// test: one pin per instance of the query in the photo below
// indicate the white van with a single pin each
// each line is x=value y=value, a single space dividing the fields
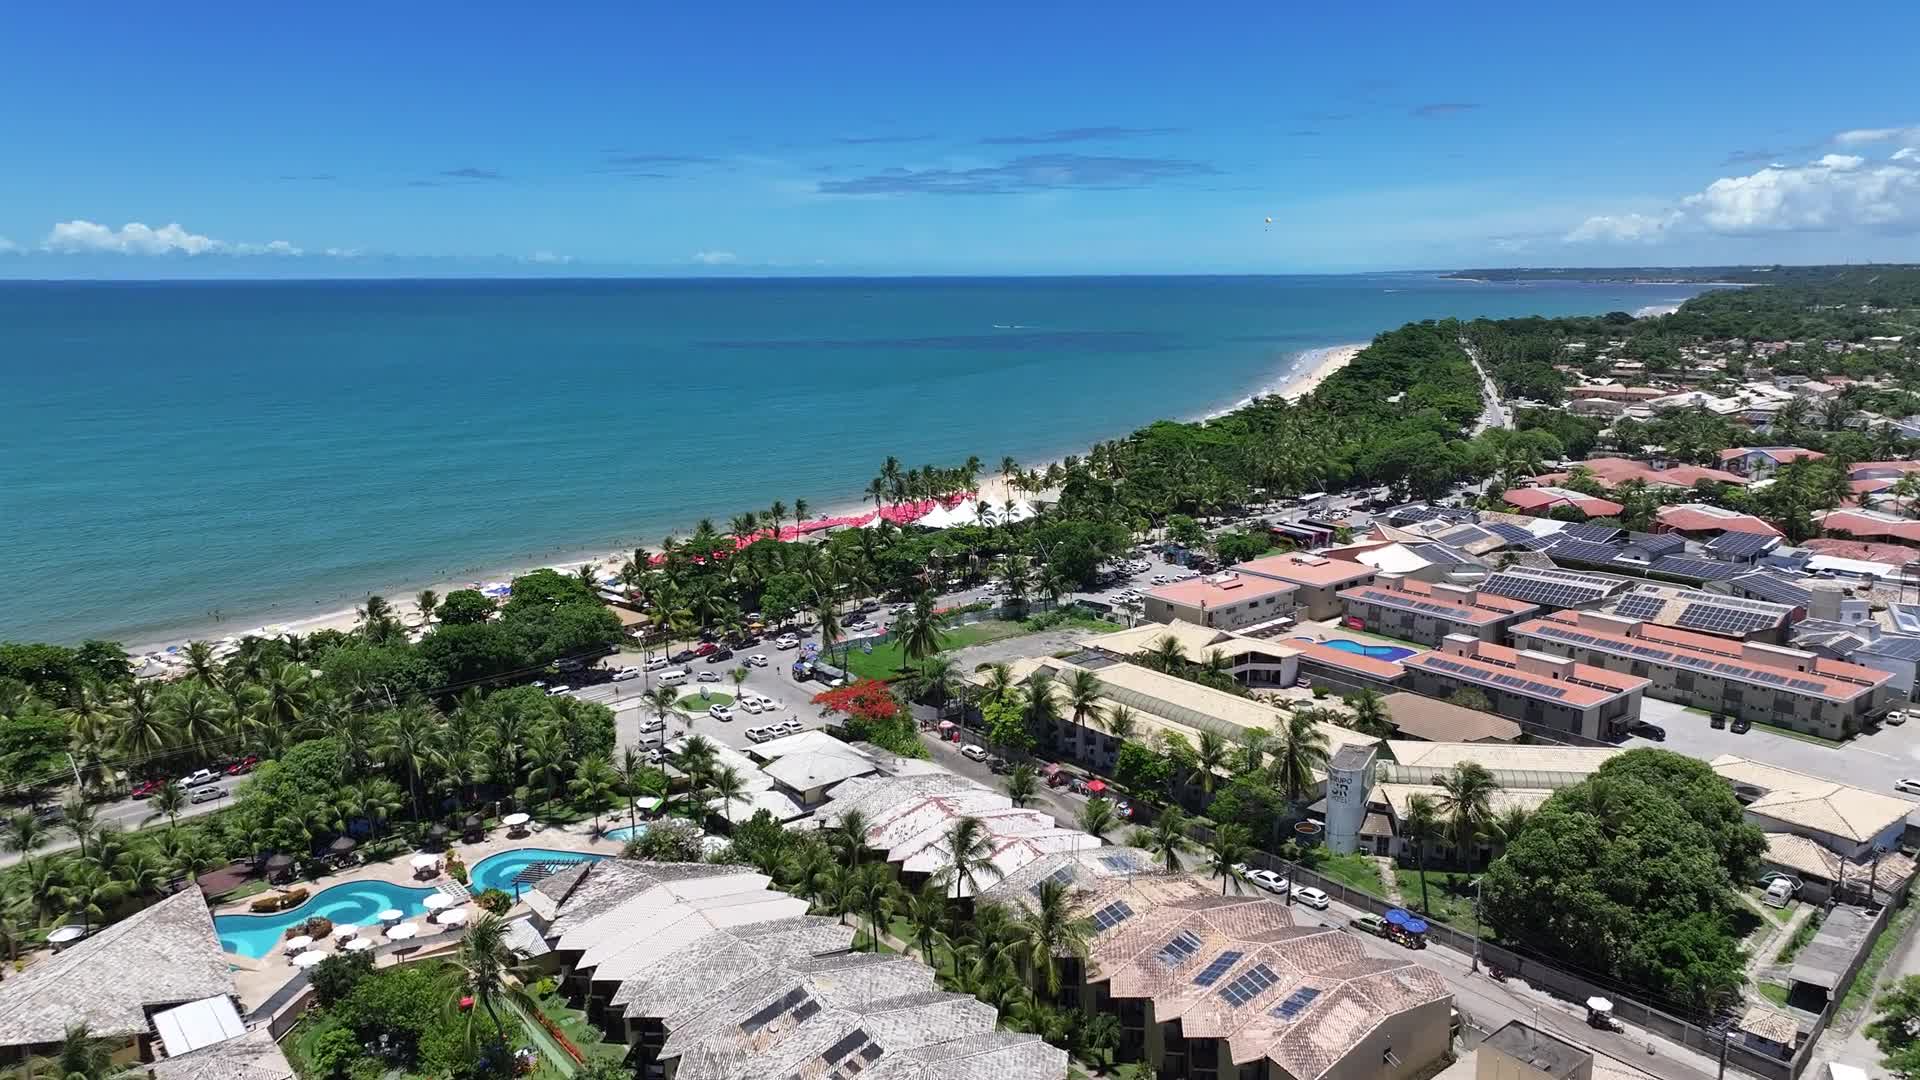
x=673 y=678
x=1779 y=893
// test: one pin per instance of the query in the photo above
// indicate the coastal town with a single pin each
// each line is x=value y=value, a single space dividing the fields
x=1517 y=698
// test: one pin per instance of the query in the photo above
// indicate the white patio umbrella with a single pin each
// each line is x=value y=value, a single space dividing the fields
x=452 y=917
x=358 y=944
x=345 y=931
x=424 y=860
x=391 y=915
x=402 y=932
x=308 y=959
x=295 y=944
x=439 y=900
x=514 y=821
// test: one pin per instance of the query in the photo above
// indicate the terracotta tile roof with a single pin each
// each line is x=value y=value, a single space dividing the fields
x=1870 y=524
x=1219 y=590
x=1841 y=810
x=1779 y=455
x=1866 y=551
x=1614 y=471
x=1698 y=517
x=1540 y=500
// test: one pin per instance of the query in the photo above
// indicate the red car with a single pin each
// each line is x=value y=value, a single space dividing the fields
x=243 y=766
x=146 y=788
x=704 y=648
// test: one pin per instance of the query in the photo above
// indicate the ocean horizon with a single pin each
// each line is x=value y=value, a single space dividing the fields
x=276 y=450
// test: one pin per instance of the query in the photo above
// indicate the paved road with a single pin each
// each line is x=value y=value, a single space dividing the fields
x=130 y=814
x=1493 y=414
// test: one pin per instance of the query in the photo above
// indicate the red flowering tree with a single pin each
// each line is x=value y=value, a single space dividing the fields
x=874 y=715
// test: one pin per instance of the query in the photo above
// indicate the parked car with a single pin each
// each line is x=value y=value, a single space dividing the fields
x=719 y=654
x=1268 y=880
x=750 y=705
x=207 y=794
x=1741 y=725
x=757 y=660
x=681 y=657
x=556 y=691
x=146 y=788
x=704 y=648
x=625 y=674
x=1718 y=721
x=786 y=641
x=788 y=727
x=709 y=676
x=651 y=725
x=658 y=662
x=1897 y=717
x=198 y=777
x=1311 y=897
x=757 y=734
x=1647 y=731
x=243 y=766
x=674 y=677
x=722 y=713
x=1369 y=924
x=1907 y=784
x=973 y=752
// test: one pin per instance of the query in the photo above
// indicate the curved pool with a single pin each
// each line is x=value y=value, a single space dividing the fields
x=503 y=870
x=1377 y=652
x=356 y=902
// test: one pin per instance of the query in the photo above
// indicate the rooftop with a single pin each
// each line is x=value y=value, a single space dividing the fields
x=1700 y=517
x=1698 y=609
x=1582 y=686
x=1304 y=569
x=1454 y=604
x=1413 y=761
x=1536 y=1048
x=1870 y=524
x=1779 y=455
x=1824 y=806
x=167 y=954
x=1219 y=590
x=253 y=1056
x=1434 y=720
x=1614 y=471
x=1541 y=499
x=1342 y=660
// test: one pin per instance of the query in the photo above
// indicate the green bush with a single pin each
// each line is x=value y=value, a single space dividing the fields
x=336 y=976
x=332 y=1051
x=494 y=900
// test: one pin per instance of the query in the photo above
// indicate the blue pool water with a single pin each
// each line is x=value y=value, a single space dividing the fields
x=499 y=871
x=355 y=902
x=1377 y=652
x=626 y=832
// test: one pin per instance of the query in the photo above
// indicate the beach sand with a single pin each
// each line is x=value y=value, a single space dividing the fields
x=1303 y=373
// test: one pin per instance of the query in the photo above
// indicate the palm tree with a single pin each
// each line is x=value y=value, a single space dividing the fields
x=595 y=785
x=286 y=693
x=727 y=785
x=662 y=700
x=1226 y=855
x=1097 y=817
x=168 y=802
x=1123 y=723
x=935 y=680
x=428 y=602
x=1421 y=827
x=969 y=856
x=81 y=1056
x=376 y=618
x=551 y=759
x=849 y=836
x=1509 y=823
x=630 y=775
x=1300 y=750
x=872 y=896
x=200 y=662
x=79 y=818
x=1083 y=702
x=1211 y=755
x=925 y=911
x=1042 y=706
x=1467 y=802
x=738 y=675
x=1166 y=654
x=1021 y=784
x=143 y=727
x=491 y=972
x=1047 y=932
x=919 y=632
x=1167 y=840
x=409 y=741
x=828 y=618
x=1370 y=714
x=25 y=833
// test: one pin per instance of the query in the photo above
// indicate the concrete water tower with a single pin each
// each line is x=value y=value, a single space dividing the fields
x=1349 y=778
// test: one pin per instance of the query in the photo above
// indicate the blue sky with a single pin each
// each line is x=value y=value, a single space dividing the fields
x=373 y=139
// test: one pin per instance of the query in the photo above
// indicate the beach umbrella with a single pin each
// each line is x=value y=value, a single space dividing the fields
x=358 y=944
x=424 y=860
x=391 y=915
x=342 y=844
x=514 y=821
x=295 y=944
x=439 y=900
x=1415 y=926
x=278 y=863
x=403 y=931
x=437 y=831
x=345 y=931
x=455 y=917
x=1398 y=917
x=308 y=959
x=474 y=821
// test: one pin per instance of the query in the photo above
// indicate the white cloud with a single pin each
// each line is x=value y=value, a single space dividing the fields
x=1911 y=153
x=7 y=245
x=715 y=258
x=1622 y=229
x=1838 y=192
x=343 y=253
x=1861 y=136
x=82 y=237
x=548 y=258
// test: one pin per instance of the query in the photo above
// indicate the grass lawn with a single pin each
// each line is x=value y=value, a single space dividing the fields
x=887 y=661
x=251 y=888
x=1775 y=994
x=695 y=701
x=584 y=1035
x=1801 y=735
x=1352 y=870
x=1451 y=895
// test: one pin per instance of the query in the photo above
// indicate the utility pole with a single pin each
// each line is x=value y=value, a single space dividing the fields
x=1476 y=933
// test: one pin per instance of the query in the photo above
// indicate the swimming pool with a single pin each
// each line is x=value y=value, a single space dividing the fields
x=1377 y=652
x=626 y=832
x=499 y=871
x=356 y=902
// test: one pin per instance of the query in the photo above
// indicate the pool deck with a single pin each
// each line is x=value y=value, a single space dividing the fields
x=259 y=979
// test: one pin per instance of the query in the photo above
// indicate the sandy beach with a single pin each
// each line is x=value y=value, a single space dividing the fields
x=1302 y=373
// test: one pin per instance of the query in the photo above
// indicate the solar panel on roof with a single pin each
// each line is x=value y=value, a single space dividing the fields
x=1063 y=875
x=1777 y=589
x=1696 y=569
x=1639 y=607
x=1716 y=618
x=1740 y=545
x=1112 y=915
x=1463 y=534
x=1180 y=949
x=1512 y=534
x=1294 y=1004
x=1217 y=967
x=1542 y=543
x=1121 y=862
x=1583 y=551
x=1251 y=984
x=1658 y=543
x=1587 y=530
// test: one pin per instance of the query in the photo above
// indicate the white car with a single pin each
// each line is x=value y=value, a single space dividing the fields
x=674 y=677
x=786 y=641
x=207 y=794
x=757 y=660
x=625 y=674
x=972 y=752
x=750 y=705
x=202 y=776
x=649 y=726
x=722 y=713
x=786 y=727
x=1907 y=784
x=556 y=691
x=757 y=734
x=1311 y=897
x=709 y=676
x=1268 y=880
x=658 y=662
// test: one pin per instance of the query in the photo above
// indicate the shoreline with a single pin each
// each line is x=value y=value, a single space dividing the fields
x=1295 y=380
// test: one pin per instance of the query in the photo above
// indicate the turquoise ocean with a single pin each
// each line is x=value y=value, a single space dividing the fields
x=275 y=450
